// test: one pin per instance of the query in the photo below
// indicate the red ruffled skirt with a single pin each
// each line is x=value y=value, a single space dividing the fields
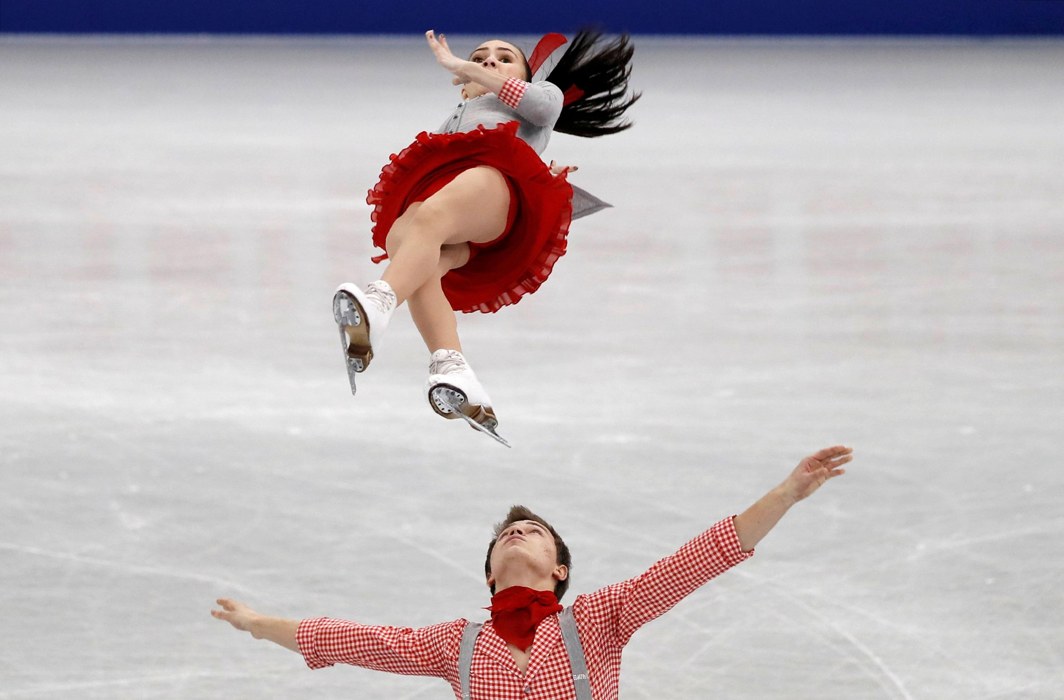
x=520 y=260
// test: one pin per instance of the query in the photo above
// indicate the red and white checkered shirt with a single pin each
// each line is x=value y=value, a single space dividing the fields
x=606 y=620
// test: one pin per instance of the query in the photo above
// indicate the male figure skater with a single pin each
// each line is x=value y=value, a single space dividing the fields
x=533 y=647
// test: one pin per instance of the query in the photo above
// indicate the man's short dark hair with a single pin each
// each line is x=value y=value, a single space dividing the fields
x=517 y=514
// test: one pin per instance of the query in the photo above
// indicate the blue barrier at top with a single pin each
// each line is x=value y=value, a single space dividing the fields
x=799 y=17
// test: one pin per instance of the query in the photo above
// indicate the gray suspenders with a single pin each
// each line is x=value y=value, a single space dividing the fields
x=465 y=655
x=576 y=654
x=572 y=647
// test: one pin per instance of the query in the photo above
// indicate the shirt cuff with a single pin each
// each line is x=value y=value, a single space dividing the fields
x=306 y=638
x=728 y=544
x=512 y=92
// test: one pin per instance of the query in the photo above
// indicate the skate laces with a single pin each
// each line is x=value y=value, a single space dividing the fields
x=382 y=296
x=448 y=362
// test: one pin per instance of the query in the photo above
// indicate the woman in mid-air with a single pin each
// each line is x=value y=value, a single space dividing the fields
x=470 y=217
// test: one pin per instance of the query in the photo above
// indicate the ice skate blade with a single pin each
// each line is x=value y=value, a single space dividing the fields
x=449 y=402
x=354 y=334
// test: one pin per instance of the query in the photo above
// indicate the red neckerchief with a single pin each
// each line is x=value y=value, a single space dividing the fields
x=517 y=611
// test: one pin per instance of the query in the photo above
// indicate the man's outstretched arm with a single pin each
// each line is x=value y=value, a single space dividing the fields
x=426 y=651
x=757 y=520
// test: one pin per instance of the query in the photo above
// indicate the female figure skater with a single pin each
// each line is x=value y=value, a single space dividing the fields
x=470 y=217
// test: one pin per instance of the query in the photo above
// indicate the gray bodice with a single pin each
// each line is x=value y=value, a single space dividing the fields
x=536 y=114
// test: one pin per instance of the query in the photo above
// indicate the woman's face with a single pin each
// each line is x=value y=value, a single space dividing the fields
x=501 y=57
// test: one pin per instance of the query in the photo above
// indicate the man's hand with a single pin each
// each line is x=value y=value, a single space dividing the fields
x=814 y=470
x=236 y=614
x=275 y=629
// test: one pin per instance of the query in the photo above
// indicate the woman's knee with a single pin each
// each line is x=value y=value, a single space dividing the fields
x=413 y=226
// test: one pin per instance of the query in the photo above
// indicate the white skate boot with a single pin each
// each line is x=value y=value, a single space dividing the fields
x=454 y=392
x=362 y=317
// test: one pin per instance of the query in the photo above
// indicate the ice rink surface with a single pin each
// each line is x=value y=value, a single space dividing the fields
x=813 y=242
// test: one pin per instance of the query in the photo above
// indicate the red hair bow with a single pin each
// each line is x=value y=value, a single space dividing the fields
x=544 y=48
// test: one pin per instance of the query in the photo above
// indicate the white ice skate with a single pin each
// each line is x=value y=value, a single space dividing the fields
x=362 y=317
x=454 y=392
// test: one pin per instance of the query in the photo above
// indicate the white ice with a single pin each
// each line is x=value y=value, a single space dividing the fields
x=814 y=242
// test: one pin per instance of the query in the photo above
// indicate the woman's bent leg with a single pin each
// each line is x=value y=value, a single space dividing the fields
x=472 y=208
x=452 y=388
x=427 y=241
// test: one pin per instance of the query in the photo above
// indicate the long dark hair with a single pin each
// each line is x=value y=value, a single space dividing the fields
x=594 y=79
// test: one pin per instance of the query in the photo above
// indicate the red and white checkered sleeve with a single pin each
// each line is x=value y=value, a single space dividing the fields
x=512 y=91
x=728 y=544
x=425 y=651
x=306 y=638
x=635 y=602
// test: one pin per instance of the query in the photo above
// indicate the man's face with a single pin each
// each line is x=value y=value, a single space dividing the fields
x=526 y=544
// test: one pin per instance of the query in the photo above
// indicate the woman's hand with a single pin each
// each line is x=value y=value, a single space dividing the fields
x=447 y=59
x=556 y=169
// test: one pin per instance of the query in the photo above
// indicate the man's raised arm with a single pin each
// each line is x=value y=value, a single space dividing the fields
x=757 y=520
